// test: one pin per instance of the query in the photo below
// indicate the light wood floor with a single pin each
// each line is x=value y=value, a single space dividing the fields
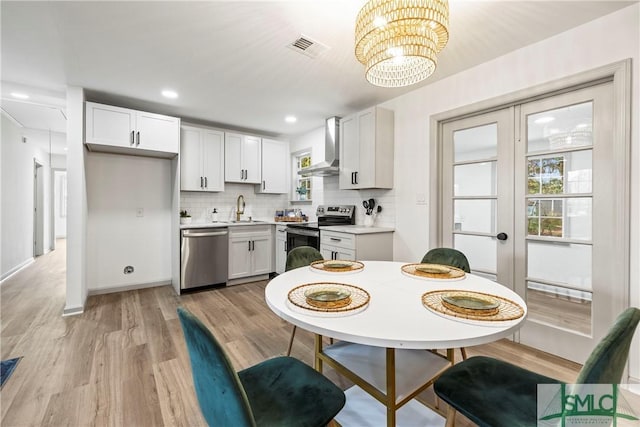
x=123 y=361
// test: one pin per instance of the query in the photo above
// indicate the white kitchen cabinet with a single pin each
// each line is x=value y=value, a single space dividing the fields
x=281 y=248
x=126 y=131
x=201 y=159
x=243 y=158
x=366 y=150
x=250 y=251
x=275 y=167
x=369 y=246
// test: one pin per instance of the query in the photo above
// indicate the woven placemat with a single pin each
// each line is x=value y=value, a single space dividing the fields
x=508 y=310
x=359 y=297
x=324 y=265
x=453 y=274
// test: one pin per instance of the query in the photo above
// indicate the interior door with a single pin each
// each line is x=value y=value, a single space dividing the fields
x=565 y=210
x=529 y=195
x=477 y=192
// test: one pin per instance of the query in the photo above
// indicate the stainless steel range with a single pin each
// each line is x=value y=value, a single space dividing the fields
x=309 y=234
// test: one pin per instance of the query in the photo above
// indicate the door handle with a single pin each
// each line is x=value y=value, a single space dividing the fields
x=502 y=236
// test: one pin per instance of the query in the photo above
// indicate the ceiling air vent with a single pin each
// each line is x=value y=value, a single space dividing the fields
x=307 y=46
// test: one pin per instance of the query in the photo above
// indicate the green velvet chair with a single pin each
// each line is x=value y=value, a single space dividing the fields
x=280 y=392
x=493 y=393
x=300 y=257
x=447 y=256
x=452 y=257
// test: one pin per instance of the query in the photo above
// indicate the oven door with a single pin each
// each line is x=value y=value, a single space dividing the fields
x=301 y=237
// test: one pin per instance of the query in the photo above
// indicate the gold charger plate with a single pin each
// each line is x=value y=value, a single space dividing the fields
x=358 y=298
x=505 y=310
x=337 y=265
x=433 y=271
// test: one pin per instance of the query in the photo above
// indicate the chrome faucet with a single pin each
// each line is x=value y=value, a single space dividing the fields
x=239 y=210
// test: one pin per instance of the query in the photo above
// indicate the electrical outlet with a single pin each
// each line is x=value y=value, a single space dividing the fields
x=140 y=212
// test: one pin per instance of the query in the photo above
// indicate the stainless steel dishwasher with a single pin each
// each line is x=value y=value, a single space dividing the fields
x=204 y=256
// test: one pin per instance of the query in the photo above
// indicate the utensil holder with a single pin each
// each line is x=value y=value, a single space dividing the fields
x=368 y=220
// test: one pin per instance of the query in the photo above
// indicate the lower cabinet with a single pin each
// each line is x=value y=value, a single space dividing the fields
x=250 y=250
x=369 y=246
x=281 y=248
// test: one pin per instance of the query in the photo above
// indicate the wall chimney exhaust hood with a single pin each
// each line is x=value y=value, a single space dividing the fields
x=331 y=163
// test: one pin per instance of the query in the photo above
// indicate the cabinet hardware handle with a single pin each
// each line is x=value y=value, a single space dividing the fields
x=335 y=239
x=246 y=175
x=201 y=182
x=138 y=138
x=352 y=178
x=263 y=185
x=253 y=245
x=285 y=246
x=355 y=177
x=133 y=137
x=206 y=184
x=249 y=245
x=241 y=173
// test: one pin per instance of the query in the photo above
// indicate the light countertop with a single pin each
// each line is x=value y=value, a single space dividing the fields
x=357 y=229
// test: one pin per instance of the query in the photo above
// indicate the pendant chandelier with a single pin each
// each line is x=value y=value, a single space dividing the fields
x=397 y=40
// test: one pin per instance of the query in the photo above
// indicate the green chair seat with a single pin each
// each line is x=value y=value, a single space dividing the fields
x=277 y=392
x=285 y=392
x=494 y=393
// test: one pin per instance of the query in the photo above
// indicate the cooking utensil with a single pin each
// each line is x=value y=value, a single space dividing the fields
x=379 y=209
x=372 y=204
x=366 y=206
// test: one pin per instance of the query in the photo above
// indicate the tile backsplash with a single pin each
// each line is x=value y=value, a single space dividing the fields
x=263 y=206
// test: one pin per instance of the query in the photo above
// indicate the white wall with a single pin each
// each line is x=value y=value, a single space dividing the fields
x=601 y=42
x=59 y=203
x=17 y=198
x=117 y=185
x=76 y=204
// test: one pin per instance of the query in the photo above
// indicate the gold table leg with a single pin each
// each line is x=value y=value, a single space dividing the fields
x=391 y=387
x=318 y=351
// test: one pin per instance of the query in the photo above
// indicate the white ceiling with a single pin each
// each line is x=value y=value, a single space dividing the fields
x=229 y=60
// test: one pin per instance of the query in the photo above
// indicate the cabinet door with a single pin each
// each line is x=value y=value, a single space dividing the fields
x=349 y=152
x=366 y=171
x=252 y=159
x=275 y=161
x=233 y=171
x=213 y=160
x=239 y=257
x=190 y=160
x=157 y=132
x=108 y=125
x=334 y=252
x=261 y=254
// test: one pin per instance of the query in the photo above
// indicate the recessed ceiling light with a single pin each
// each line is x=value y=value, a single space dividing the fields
x=19 y=95
x=66 y=148
x=582 y=126
x=543 y=120
x=169 y=94
x=291 y=119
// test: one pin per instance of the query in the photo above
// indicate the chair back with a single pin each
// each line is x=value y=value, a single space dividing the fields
x=221 y=396
x=301 y=256
x=608 y=360
x=447 y=256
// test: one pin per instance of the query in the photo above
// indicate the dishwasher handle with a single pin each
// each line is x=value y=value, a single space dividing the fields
x=207 y=234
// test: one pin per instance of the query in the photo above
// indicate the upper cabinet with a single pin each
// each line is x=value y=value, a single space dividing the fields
x=243 y=158
x=366 y=150
x=201 y=159
x=275 y=162
x=122 y=130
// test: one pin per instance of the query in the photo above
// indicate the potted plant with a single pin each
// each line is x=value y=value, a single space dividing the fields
x=185 y=218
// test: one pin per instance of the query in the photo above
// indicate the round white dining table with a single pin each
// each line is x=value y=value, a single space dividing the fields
x=395 y=316
x=381 y=345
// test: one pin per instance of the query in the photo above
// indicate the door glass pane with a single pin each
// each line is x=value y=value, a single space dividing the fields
x=566 y=173
x=564 y=127
x=475 y=215
x=558 y=306
x=476 y=143
x=568 y=218
x=560 y=263
x=479 y=250
x=477 y=179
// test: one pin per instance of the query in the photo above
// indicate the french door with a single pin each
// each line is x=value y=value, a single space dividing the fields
x=529 y=195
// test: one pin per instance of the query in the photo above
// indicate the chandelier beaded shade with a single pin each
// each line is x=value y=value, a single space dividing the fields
x=397 y=40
